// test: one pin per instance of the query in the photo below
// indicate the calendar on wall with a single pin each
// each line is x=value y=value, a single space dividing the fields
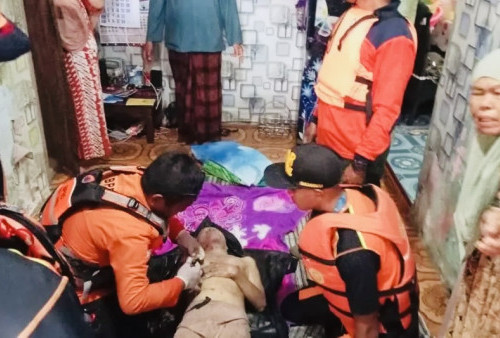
x=124 y=22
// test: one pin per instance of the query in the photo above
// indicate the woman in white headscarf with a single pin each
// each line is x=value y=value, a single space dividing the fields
x=482 y=175
x=474 y=308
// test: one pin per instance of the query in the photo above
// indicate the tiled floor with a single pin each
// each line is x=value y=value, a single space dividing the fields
x=407 y=153
x=433 y=295
x=406 y=156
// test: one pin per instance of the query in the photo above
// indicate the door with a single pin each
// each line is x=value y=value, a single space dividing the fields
x=58 y=113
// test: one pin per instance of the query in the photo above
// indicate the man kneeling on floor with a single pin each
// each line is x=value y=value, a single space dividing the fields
x=115 y=220
x=355 y=250
x=219 y=309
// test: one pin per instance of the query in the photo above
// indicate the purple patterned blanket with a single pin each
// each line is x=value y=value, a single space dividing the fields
x=259 y=217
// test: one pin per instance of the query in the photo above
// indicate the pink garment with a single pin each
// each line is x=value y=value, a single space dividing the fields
x=82 y=70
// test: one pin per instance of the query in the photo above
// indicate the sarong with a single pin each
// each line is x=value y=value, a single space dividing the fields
x=82 y=70
x=198 y=95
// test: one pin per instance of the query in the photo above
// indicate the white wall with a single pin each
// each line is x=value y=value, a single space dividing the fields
x=268 y=78
x=22 y=144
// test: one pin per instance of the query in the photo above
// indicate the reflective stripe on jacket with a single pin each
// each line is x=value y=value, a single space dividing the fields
x=343 y=80
x=382 y=232
x=104 y=235
x=342 y=76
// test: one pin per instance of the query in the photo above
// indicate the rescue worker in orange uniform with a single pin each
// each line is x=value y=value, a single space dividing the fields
x=95 y=237
x=367 y=64
x=355 y=250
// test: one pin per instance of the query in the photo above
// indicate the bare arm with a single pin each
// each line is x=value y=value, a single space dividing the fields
x=366 y=326
x=250 y=284
x=245 y=274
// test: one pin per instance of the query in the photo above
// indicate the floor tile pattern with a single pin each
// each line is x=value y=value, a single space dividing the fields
x=406 y=156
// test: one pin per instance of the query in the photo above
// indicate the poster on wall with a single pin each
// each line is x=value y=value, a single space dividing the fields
x=121 y=13
x=124 y=22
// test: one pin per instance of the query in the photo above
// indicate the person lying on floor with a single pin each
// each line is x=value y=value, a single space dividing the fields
x=219 y=309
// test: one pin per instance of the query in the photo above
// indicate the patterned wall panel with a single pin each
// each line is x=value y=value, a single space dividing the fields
x=22 y=150
x=476 y=31
x=267 y=79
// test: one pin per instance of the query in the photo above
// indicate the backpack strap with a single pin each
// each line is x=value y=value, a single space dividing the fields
x=41 y=236
x=85 y=190
x=134 y=207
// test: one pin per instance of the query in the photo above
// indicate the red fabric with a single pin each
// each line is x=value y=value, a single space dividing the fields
x=82 y=70
x=7 y=28
x=175 y=226
x=350 y=136
x=198 y=95
x=91 y=9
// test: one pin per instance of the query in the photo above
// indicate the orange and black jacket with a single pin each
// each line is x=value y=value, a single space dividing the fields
x=361 y=84
x=381 y=231
x=103 y=235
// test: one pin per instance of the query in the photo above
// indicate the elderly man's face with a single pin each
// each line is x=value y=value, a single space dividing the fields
x=485 y=106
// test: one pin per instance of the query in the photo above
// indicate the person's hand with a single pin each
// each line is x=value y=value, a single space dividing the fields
x=310 y=132
x=147 y=52
x=190 y=274
x=221 y=269
x=188 y=242
x=351 y=176
x=489 y=224
x=237 y=50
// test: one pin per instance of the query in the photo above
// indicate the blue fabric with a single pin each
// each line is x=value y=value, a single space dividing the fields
x=246 y=163
x=194 y=25
x=13 y=45
x=386 y=30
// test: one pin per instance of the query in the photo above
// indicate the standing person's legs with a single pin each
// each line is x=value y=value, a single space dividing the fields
x=179 y=63
x=207 y=91
x=82 y=71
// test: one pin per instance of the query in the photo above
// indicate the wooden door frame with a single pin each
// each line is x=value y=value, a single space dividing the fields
x=56 y=103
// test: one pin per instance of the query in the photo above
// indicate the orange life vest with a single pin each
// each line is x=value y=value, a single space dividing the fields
x=90 y=189
x=343 y=81
x=25 y=235
x=382 y=232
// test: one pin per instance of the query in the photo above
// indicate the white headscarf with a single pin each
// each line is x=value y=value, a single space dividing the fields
x=489 y=66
